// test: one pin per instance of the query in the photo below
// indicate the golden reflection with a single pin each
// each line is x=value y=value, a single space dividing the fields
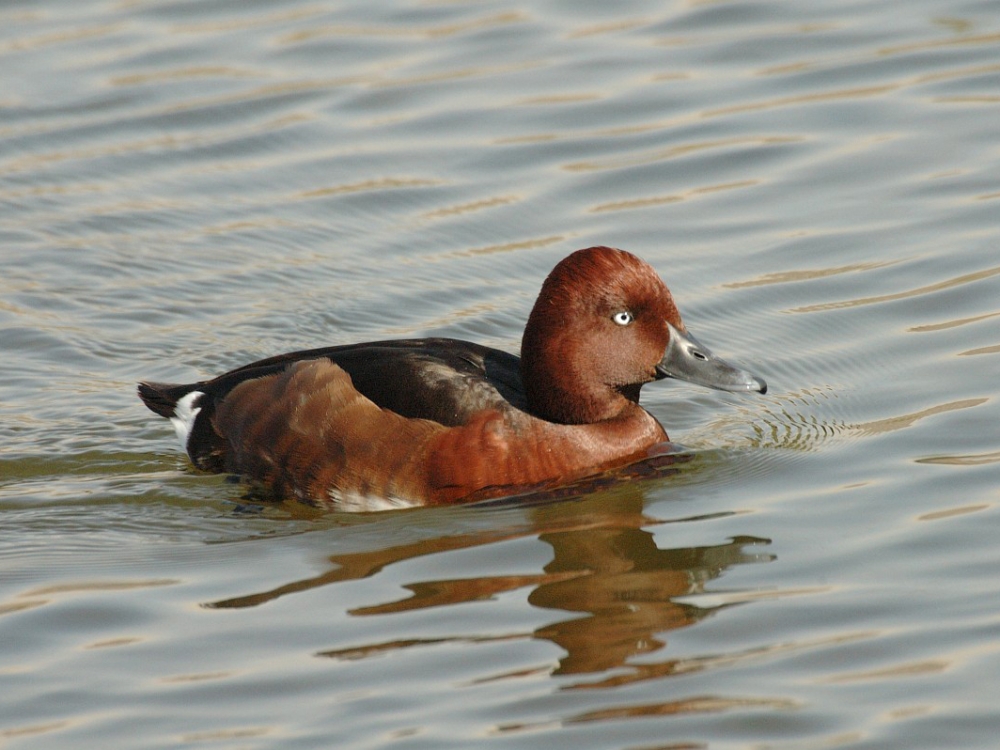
x=383 y=183
x=621 y=591
x=675 y=198
x=967 y=278
x=464 y=208
x=456 y=74
x=674 y=152
x=181 y=74
x=934 y=44
x=46 y=158
x=983 y=99
x=33 y=729
x=427 y=32
x=76 y=588
x=705 y=704
x=44 y=595
x=166 y=142
x=114 y=643
x=781 y=102
x=246 y=22
x=518 y=140
x=506 y=247
x=609 y=27
x=788 y=277
x=698 y=705
x=890 y=424
x=556 y=99
x=995 y=349
x=952 y=512
x=956 y=25
x=226 y=734
x=198 y=677
x=657 y=670
x=913 y=669
x=55 y=38
x=971 y=459
x=787 y=68
x=80 y=188
x=951 y=323
x=246 y=225
x=374 y=649
x=12 y=607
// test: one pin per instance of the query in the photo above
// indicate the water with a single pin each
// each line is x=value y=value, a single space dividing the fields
x=188 y=186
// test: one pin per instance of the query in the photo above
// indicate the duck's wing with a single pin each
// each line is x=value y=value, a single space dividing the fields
x=442 y=380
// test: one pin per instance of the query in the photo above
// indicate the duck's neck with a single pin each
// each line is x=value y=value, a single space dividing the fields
x=559 y=391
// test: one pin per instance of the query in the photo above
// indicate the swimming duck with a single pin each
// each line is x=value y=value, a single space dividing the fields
x=436 y=421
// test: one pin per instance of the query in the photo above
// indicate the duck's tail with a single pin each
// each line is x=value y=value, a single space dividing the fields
x=189 y=410
x=162 y=398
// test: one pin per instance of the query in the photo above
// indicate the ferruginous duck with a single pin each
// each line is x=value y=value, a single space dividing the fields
x=437 y=421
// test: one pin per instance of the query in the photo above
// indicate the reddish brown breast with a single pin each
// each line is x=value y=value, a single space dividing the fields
x=494 y=456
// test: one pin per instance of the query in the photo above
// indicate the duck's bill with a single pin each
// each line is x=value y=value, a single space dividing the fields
x=687 y=359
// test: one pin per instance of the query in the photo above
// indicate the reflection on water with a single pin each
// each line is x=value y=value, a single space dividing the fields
x=939 y=286
x=967 y=460
x=605 y=565
x=626 y=586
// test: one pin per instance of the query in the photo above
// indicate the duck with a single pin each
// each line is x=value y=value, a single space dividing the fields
x=437 y=421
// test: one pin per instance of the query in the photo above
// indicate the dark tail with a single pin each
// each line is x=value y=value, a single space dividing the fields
x=205 y=446
x=162 y=397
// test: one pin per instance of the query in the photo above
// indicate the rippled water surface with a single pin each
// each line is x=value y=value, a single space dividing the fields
x=186 y=186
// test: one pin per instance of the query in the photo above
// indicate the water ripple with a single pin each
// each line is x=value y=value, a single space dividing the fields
x=957 y=281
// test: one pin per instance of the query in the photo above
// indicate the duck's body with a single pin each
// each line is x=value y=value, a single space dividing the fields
x=434 y=421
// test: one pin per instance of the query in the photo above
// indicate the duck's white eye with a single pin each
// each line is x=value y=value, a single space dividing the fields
x=622 y=318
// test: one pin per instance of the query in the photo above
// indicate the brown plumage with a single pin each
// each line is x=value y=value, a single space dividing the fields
x=438 y=420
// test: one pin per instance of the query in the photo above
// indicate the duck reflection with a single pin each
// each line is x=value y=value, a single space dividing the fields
x=605 y=564
x=627 y=590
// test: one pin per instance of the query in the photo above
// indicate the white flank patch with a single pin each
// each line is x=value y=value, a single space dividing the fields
x=184 y=416
x=357 y=503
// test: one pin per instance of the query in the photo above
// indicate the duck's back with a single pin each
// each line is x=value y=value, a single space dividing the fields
x=445 y=380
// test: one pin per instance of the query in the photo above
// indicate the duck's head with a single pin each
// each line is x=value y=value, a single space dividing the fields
x=605 y=324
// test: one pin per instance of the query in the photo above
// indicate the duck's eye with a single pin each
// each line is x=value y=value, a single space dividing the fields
x=622 y=318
